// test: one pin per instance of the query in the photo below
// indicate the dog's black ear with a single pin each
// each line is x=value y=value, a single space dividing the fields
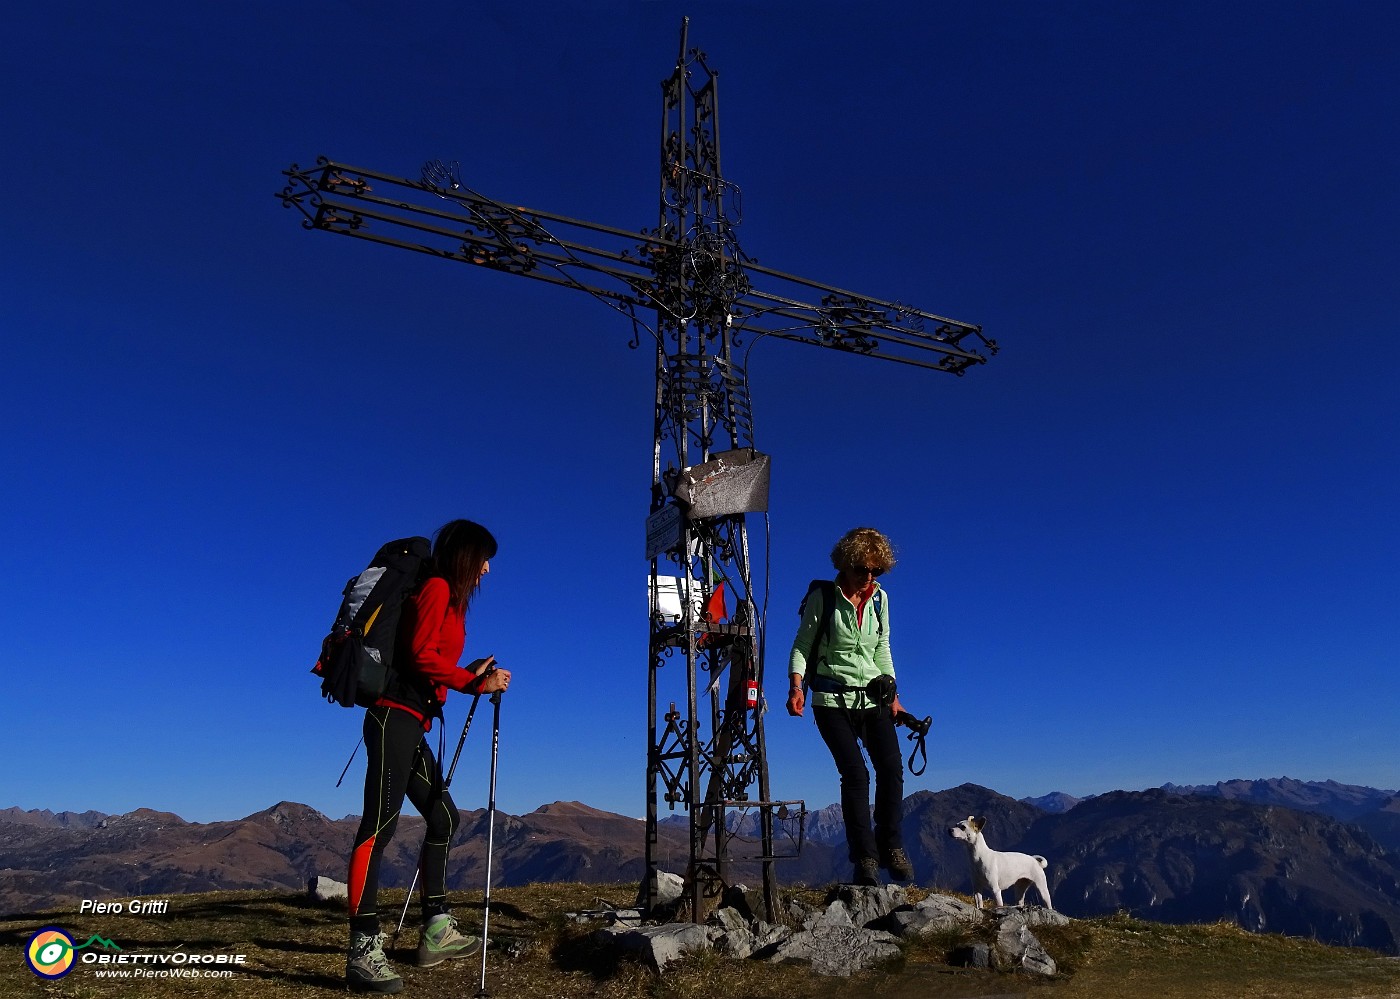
x=979 y=822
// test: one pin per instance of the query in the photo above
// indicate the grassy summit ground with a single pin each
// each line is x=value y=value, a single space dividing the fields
x=296 y=949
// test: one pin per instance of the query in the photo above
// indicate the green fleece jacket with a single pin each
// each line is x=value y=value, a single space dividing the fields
x=854 y=654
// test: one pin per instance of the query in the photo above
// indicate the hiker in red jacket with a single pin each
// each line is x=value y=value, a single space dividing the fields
x=431 y=635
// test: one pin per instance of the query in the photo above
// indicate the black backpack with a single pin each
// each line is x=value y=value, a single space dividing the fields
x=357 y=657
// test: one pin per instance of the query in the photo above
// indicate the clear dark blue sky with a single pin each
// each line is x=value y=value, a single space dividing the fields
x=1155 y=539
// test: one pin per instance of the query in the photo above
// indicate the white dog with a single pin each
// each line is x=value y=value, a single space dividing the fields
x=995 y=872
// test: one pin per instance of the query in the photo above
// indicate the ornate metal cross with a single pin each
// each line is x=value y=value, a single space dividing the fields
x=709 y=300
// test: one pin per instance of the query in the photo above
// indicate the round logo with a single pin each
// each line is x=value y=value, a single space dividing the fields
x=50 y=953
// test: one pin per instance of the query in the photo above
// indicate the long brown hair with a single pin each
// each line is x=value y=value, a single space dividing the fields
x=460 y=550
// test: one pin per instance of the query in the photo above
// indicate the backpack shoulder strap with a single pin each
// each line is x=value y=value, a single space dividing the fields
x=825 y=591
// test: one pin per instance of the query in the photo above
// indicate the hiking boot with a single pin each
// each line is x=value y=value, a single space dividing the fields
x=442 y=940
x=867 y=873
x=366 y=968
x=896 y=861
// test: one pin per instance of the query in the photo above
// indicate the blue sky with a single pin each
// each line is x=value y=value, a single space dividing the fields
x=1153 y=540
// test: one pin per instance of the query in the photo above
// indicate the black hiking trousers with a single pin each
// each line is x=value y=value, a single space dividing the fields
x=400 y=765
x=844 y=730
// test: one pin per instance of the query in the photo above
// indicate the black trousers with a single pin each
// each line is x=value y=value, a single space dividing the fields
x=844 y=731
x=400 y=765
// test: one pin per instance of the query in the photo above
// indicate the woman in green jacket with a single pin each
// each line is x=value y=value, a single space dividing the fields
x=838 y=667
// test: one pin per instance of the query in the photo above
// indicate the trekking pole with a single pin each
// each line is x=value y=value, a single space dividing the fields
x=446 y=783
x=462 y=741
x=351 y=760
x=490 y=838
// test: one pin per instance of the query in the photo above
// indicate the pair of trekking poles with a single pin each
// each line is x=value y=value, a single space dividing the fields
x=490 y=826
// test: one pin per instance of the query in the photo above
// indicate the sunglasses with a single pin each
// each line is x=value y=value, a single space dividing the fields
x=863 y=570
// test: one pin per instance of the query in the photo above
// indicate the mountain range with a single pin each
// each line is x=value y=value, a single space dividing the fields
x=1318 y=859
x=1344 y=802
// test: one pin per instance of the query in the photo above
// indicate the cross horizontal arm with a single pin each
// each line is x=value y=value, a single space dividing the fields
x=334 y=197
x=631 y=269
x=871 y=327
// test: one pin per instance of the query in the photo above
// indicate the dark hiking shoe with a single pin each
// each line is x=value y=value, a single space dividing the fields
x=896 y=861
x=366 y=968
x=867 y=873
x=442 y=940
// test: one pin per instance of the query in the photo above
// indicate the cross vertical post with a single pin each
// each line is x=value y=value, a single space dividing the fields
x=711 y=756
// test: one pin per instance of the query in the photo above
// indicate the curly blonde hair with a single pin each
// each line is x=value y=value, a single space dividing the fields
x=863 y=546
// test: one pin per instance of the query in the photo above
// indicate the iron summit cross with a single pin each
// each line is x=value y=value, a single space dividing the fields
x=709 y=755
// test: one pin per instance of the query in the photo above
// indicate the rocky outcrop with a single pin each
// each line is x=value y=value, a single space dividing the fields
x=324 y=889
x=1016 y=947
x=935 y=914
x=856 y=929
x=658 y=946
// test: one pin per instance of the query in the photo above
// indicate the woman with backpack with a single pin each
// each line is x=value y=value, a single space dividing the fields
x=842 y=645
x=431 y=635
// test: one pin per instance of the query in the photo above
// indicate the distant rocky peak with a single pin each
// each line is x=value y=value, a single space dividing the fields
x=1055 y=803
